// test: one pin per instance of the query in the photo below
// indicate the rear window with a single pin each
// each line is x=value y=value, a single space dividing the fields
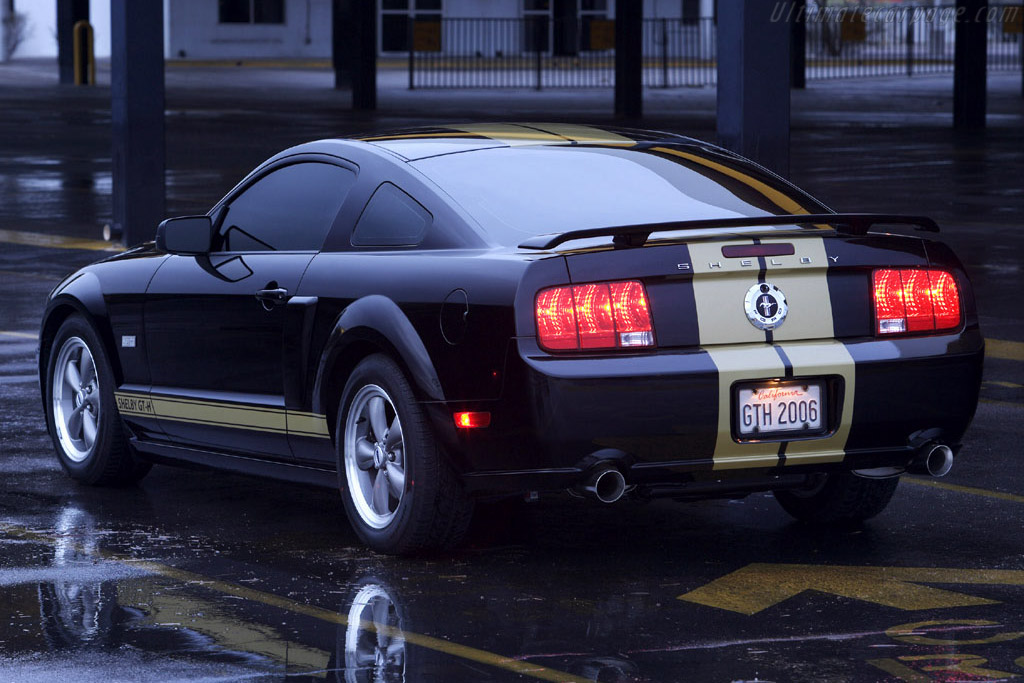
x=533 y=190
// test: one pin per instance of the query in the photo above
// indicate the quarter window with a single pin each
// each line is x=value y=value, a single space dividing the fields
x=391 y=219
x=289 y=209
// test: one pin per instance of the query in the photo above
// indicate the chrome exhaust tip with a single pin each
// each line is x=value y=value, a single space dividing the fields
x=939 y=460
x=606 y=485
x=933 y=459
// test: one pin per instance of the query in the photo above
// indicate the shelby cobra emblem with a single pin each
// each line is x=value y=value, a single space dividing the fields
x=766 y=306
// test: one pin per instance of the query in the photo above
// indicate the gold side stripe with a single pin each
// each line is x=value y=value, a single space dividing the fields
x=223 y=414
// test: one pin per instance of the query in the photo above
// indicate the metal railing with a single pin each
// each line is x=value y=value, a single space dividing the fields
x=841 y=42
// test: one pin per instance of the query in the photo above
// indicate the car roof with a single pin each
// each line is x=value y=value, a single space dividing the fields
x=422 y=143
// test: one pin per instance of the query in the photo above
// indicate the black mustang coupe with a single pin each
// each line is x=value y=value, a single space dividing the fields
x=435 y=317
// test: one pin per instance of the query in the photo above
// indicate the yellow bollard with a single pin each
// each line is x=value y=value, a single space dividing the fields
x=85 y=57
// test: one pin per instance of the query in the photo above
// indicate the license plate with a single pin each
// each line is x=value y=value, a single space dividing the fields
x=772 y=408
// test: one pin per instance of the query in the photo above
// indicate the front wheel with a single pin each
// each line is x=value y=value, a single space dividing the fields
x=81 y=416
x=399 y=492
x=838 y=498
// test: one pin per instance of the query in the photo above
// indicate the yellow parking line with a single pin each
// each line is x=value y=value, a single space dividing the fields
x=19 y=335
x=437 y=644
x=970 y=490
x=1005 y=350
x=993 y=402
x=1005 y=385
x=38 y=239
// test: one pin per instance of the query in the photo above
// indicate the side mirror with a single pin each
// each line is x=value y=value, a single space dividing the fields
x=188 y=235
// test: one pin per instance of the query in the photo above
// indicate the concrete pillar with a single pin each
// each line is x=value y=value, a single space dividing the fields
x=340 y=54
x=753 y=81
x=68 y=13
x=137 y=112
x=798 y=45
x=354 y=48
x=970 y=65
x=629 y=26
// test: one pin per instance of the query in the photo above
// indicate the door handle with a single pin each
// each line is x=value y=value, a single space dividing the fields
x=272 y=297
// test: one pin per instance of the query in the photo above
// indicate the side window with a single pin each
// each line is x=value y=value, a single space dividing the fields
x=290 y=209
x=391 y=219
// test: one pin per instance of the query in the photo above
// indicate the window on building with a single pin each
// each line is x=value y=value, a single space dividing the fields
x=250 y=11
x=394 y=22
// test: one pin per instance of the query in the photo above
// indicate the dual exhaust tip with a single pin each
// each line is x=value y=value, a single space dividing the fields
x=934 y=459
x=606 y=484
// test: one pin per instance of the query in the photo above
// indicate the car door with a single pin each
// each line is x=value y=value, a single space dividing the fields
x=217 y=324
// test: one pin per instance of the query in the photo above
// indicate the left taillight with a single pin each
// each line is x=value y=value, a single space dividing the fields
x=596 y=315
x=909 y=300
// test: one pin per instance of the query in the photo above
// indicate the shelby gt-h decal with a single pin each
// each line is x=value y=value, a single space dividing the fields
x=429 y=317
x=223 y=414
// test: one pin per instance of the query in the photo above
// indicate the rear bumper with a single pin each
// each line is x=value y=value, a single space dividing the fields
x=665 y=417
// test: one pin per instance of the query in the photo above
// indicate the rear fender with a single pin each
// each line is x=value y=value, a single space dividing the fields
x=377 y=321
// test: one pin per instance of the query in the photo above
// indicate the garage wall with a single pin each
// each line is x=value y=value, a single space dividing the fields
x=194 y=33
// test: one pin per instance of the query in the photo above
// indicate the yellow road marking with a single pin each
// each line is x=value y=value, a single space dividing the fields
x=19 y=335
x=38 y=239
x=1000 y=383
x=437 y=644
x=991 y=401
x=965 y=489
x=1004 y=350
x=757 y=587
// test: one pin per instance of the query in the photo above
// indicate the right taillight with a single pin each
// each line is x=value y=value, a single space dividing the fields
x=597 y=315
x=915 y=300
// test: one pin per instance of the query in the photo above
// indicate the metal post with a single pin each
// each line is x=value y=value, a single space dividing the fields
x=539 y=29
x=910 y=41
x=69 y=13
x=629 y=45
x=411 y=31
x=341 y=55
x=137 y=113
x=363 y=39
x=970 y=65
x=664 y=52
x=753 y=81
x=798 y=45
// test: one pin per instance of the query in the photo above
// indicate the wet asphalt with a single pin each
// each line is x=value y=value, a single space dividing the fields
x=208 y=576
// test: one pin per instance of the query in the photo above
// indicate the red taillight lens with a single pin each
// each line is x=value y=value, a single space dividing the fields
x=599 y=315
x=915 y=300
x=556 y=319
x=945 y=299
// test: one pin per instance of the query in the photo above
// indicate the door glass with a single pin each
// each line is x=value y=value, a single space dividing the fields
x=289 y=209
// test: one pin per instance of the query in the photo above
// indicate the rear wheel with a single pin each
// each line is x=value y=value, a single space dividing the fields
x=80 y=411
x=840 y=497
x=399 y=492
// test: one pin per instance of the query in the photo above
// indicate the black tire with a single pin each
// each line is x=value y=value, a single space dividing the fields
x=841 y=498
x=424 y=507
x=108 y=460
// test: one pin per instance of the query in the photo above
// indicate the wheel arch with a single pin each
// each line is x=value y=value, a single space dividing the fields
x=372 y=324
x=81 y=296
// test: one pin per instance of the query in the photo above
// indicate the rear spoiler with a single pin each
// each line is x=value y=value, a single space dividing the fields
x=637 y=235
